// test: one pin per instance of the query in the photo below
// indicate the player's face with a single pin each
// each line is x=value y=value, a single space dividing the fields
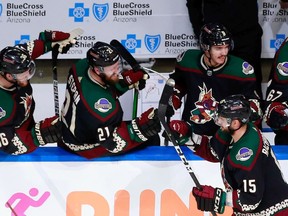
x=22 y=78
x=224 y=123
x=218 y=54
x=26 y=75
x=111 y=73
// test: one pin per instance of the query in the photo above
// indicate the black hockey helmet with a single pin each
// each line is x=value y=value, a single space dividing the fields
x=15 y=60
x=214 y=34
x=102 y=54
x=234 y=107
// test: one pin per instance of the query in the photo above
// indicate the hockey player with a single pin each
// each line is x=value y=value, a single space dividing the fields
x=206 y=77
x=276 y=114
x=91 y=113
x=250 y=172
x=19 y=133
x=245 y=27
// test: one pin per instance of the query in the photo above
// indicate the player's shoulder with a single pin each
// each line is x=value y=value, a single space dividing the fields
x=236 y=66
x=245 y=152
x=81 y=67
x=6 y=106
x=189 y=56
x=281 y=62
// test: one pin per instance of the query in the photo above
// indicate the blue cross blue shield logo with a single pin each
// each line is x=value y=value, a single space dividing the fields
x=152 y=42
x=0 y=9
x=100 y=11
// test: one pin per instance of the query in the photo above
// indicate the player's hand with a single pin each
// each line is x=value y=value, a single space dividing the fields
x=58 y=38
x=134 y=79
x=53 y=36
x=276 y=116
x=147 y=125
x=210 y=199
x=48 y=130
x=174 y=103
x=181 y=131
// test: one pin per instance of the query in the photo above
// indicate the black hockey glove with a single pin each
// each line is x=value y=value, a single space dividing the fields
x=210 y=199
x=276 y=116
x=147 y=125
x=48 y=130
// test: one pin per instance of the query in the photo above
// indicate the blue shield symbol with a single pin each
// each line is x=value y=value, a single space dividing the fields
x=100 y=11
x=152 y=42
x=0 y=9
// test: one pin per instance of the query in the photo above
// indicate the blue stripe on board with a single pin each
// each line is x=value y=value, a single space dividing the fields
x=150 y=153
x=266 y=130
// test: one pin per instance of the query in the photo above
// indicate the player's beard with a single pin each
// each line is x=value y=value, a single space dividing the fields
x=228 y=130
x=111 y=80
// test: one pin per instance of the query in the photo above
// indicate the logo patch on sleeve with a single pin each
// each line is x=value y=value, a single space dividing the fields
x=244 y=154
x=2 y=113
x=283 y=68
x=247 y=68
x=103 y=105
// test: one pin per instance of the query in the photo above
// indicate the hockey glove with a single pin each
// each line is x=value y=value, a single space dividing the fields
x=133 y=79
x=256 y=112
x=276 y=116
x=174 y=103
x=62 y=39
x=210 y=199
x=48 y=130
x=147 y=125
x=181 y=130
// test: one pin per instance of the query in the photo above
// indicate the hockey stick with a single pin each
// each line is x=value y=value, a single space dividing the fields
x=156 y=72
x=167 y=92
x=55 y=53
x=135 y=66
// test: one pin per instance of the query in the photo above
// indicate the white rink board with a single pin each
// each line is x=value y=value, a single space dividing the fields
x=151 y=180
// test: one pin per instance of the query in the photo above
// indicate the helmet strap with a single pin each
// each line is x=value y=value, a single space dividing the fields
x=232 y=131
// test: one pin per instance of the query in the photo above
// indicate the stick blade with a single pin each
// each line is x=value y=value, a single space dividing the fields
x=125 y=54
x=76 y=32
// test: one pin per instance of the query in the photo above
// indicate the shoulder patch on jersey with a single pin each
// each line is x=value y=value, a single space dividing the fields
x=103 y=105
x=180 y=56
x=283 y=68
x=244 y=154
x=2 y=113
x=247 y=68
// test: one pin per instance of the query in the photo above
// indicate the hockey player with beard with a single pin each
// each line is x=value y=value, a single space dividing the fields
x=92 y=114
x=253 y=181
x=276 y=113
x=19 y=134
x=207 y=76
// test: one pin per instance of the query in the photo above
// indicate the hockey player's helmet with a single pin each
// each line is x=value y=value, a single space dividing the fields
x=234 y=107
x=15 y=60
x=214 y=34
x=102 y=54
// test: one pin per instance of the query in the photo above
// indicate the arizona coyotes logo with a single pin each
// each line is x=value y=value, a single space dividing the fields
x=205 y=107
x=27 y=102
